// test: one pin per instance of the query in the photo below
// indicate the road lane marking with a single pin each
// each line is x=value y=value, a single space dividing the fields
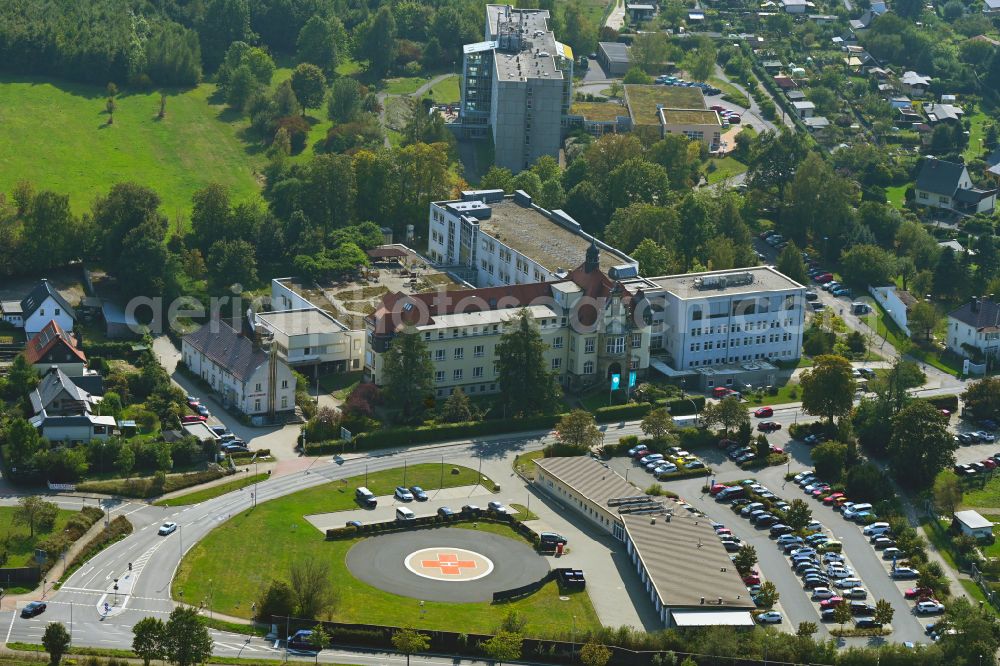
x=11 y=627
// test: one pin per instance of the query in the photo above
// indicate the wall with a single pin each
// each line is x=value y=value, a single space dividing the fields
x=284 y=298
x=889 y=300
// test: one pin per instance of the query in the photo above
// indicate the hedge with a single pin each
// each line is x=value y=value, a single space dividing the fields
x=144 y=487
x=949 y=402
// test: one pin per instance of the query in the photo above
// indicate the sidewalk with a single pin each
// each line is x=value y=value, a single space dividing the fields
x=241 y=471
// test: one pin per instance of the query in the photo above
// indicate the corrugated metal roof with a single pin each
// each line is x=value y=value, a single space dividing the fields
x=590 y=478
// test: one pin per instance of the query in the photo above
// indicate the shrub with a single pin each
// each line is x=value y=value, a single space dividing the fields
x=297 y=128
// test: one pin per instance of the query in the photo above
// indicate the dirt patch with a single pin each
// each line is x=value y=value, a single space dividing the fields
x=67 y=281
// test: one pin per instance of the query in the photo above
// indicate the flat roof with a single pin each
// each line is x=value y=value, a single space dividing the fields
x=485 y=317
x=642 y=101
x=301 y=322
x=711 y=618
x=537 y=237
x=758 y=278
x=973 y=520
x=690 y=117
x=527 y=62
x=598 y=111
x=615 y=51
x=590 y=478
x=686 y=562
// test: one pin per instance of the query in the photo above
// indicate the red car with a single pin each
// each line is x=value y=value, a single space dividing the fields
x=990 y=463
x=752 y=579
x=717 y=488
x=763 y=412
x=918 y=593
x=726 y=443
x=717 y=107
x=777 y=449
x=830 y=499
x=734 y=119
x=724 y=530
x=193 y=418
x=768 y=426
x=832 y=602
x=823 y=278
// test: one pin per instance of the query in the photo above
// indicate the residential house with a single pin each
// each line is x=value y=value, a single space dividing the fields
x=993 y=164
x=73 y=429
x=640 y=11
x=242 y=366
x=971 y=523
x=42 y=305
x=312 y=338
x=940 y=113
x=815 y=123
x=896 y=303
x=58 y=395
x=118 y=324
x=914 y=84
x=974 y=330
x=991 y=7
x=796 y=6
x=795 y=95
x=785 y=82
x=54 y=347
x=947 y=185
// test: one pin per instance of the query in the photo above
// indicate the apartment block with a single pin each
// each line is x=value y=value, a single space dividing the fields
x=496 y=239
x=517 y=86
x=591 y=324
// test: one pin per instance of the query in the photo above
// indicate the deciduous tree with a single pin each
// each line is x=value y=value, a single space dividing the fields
x=728 y=413
x=578 y=430
x=409 y=641
x=309 y=85
x=594 y=654
x=883 y=612
x=149 y=638
x=187 y=639
x=503 y=646
x=317 y=44
x=828 y=458
x=790 y=263
x=658 y=424
x=921 y=445
x=798 y=515
x=828 y=387
x=947 y=492
x=746 y=558
x=982 y=398
x=310 y=582
x=56 y=641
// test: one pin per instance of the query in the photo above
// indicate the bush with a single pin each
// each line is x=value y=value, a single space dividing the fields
x=297 y=128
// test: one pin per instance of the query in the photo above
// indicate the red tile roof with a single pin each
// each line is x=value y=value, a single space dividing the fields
x=53 y=339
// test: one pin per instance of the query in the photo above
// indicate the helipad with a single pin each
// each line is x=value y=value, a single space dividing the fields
x=450 y=564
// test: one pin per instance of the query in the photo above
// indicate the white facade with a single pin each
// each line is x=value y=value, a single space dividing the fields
x=760 y=315
x=313 y=337
x=75 y=428
x=250 y=395
x=891 y=303
x=49 y=310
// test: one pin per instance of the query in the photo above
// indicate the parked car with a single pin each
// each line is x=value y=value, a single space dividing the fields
x=821 y=593
x=202 y=410
x=551 y=539
x=301 y=640
x=881 y=543
x=770 y=617
x=904 y=573
x=929 y=607
x=445 y=512
x=873 y=528
x=193 y=418
x=867 y=623
x=918 y=593
x=403 y=494
x=892 y=554
x=832 y=602
x=780 y=529
x=861 y=608
x=418 y=493
x=847 y=583
x=34 y=608
x=636 y=449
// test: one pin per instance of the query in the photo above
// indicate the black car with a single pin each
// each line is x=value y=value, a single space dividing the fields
x=811 y=295
x=418 y=493
x=779 y=529
x=471 y=510
x=445 y=513
x=867 y=623
x=219 y=430
x=827 y=614
x=731 y=546
x=33 y=608
x=811 y=583
x=861 y=608
x=551 y=539
x=766 y=520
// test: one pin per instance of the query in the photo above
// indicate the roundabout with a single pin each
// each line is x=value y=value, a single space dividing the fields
x=445 y=564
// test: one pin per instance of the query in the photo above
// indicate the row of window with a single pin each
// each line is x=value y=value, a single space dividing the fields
x=740 y=328
x=736 y=359
x=735 y=342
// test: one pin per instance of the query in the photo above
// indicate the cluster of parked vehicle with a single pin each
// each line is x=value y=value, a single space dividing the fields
x=978 y=437
x=201 y=412
x=678 y=82
x=661 y=465
x=727 y=115
x=774 y=239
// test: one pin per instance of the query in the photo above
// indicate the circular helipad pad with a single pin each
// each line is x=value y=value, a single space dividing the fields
x=445 y=564
x=449 y=564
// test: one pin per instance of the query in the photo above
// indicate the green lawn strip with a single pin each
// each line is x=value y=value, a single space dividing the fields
x=120 y=654
x=976 y=132
x=18 y=543
x=446 y=91
x=340 y=384
x=405 y=85
x=726 y=87
x=197 y=142
x=725 y=168
x=212 y=492
x=987 y=495
x=523 y=513
x=268 y=539
x=523 y=462
x=939 y=538
x=886 y=328
x=976 y=593
x=896 y=195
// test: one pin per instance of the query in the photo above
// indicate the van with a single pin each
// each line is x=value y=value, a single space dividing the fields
x=402 y=513
x=875 y=528
x=733 y=492
x=365 y=497
x=831 y=547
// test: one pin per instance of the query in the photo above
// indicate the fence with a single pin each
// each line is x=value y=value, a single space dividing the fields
x=424 y=522
x=18 y=575
x=988 y=592
x=524 y=590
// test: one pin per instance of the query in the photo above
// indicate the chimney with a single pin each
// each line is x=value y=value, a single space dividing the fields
x=975 y=304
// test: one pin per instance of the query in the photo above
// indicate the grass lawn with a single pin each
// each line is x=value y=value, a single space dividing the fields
x=19 y=545
x=727 y=88
x=404 y=85
x=446 y=91
x=212 y=492
x=267 y=540
x=940 y=540
x=884 y=327
x=340 y=384
x=976 y=593
x=196 y=144
x=975 y=148
x=896 y=195
x=525 y=462
x=725 y=168
x=988 y=495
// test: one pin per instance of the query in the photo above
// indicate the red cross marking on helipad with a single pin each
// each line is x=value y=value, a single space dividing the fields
x=449 y=564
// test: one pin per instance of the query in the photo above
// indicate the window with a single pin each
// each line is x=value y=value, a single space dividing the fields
x=439 y=376
x=636 y=340
x=459 y=353
x=256 y=405
x=572 y=343
x=616 y=345
x=457 y=374
x=943 y=200
x=479 y=350
x=556 y=363
x=42 y=312
x=588 y=368
x=284 y=383
x=477 y=371
x=284 y=402
x=439 y=355
x=588 y=345
x=427 y=335
x=922 y=195
x=257 y=390
x=57 y=312
x=557 y=342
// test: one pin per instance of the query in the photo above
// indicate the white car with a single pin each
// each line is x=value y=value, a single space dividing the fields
x=665 y=468
x=770 y=617
x=929 y=607
x=821 y=593
x=840 y=573
x=815 y=526
x=498 y=507
x=167 y=528
x=875 y=528
x=847 y=583
x=830 y=558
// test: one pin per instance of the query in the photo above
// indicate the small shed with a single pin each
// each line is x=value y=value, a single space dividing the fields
x=971 y=523
x=118 y=324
